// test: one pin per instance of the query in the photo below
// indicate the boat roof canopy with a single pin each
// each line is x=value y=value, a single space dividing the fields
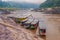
x=19 y=15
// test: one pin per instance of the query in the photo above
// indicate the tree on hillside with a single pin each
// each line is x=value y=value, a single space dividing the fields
x=50 y=3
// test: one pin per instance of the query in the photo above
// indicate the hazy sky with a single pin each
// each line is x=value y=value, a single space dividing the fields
x=29 y=1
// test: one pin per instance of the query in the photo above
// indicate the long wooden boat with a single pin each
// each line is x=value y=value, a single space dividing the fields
x=19 y=17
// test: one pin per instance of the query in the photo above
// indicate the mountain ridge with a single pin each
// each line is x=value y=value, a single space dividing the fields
x=10 y=4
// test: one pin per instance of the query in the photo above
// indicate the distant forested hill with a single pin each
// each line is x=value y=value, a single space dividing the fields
x=17 y=5
x=50 y=3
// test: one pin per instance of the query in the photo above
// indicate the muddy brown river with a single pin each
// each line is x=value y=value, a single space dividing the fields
x=52 y=22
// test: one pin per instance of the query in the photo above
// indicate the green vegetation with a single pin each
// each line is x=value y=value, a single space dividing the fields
x=7 y=5
x=50 y=3
x=16 y=5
